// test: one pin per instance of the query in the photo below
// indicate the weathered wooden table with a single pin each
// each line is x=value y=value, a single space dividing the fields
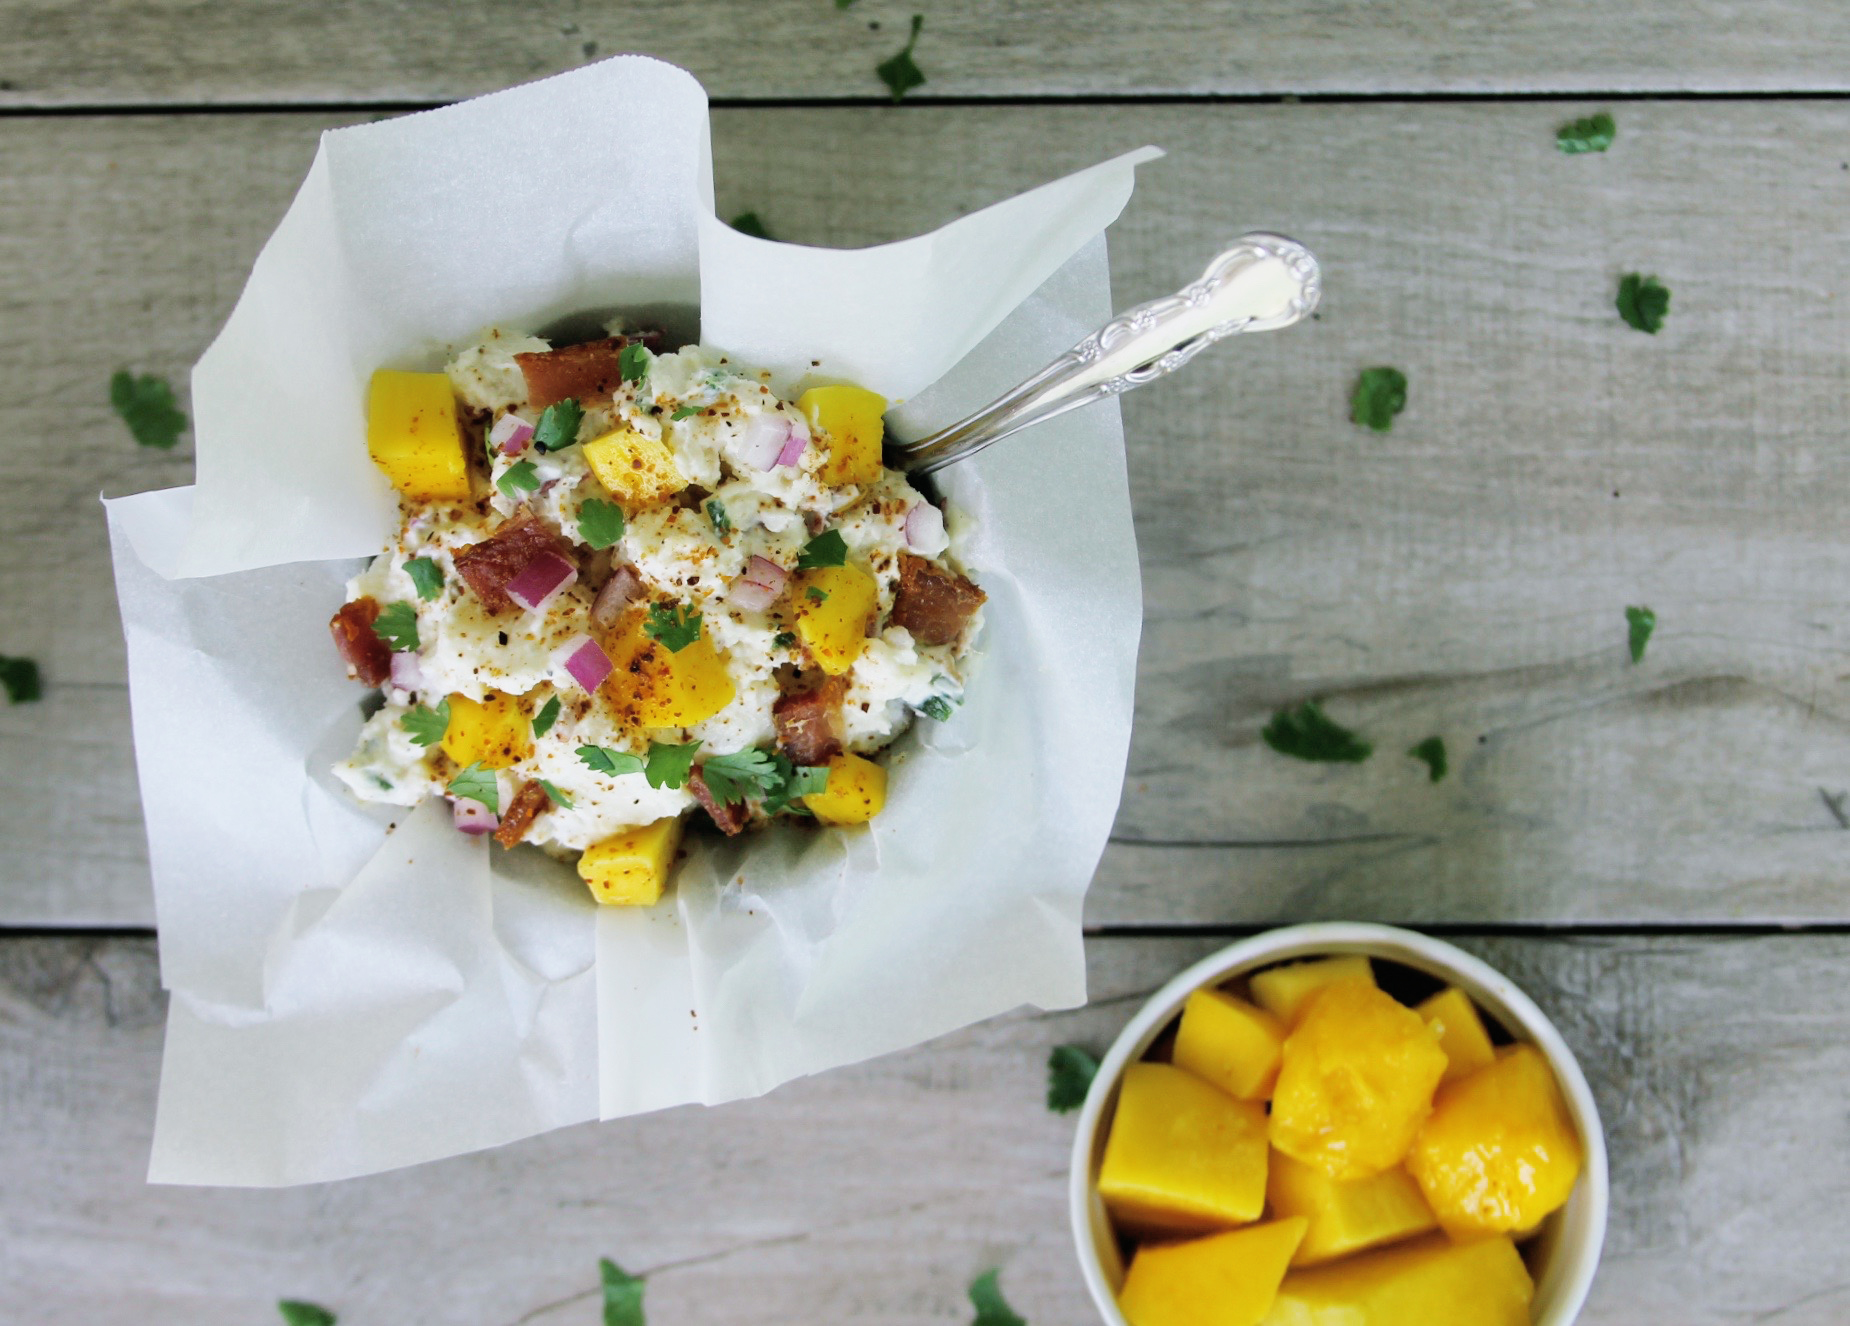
x=1657 y=852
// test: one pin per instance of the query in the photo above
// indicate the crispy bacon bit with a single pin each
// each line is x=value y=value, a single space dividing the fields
x=933 y=603
x=521 y=812
x=808 y=718
x=368 y=657
x=587 y=373
x=731 y=819
x=488 y=566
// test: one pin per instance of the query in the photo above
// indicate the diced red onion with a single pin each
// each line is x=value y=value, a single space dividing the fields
x=622 y=589
x=510 y=435
x=765 y=438
x=473 y=817
x=759 y=586
x=586 y=661
x=406 y=674
x=542 y=580
x=925 y=527
x=795 y=445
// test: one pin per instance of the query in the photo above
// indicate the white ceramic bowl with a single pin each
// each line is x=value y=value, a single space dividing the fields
x=1568 y=1252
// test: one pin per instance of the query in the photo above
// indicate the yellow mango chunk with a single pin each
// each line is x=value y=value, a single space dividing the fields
x=1499 y=1152
x=1222 y=1280
x=653 y=686
x=495 y=732
x=1452 y=1015
x=850 y=419
x=1349 y=1216
x=1230 y=1043
x=855 y=794
x=413 y=434
x=1182 y=1156
x=835 y=605
x=1284 y=991
x=1355 y=1082
x=636 y=469
x=630 y=869
x=1431 y=1282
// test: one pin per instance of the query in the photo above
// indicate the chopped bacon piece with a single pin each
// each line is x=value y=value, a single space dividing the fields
x=933 y=603
x=488 y=566
x=809 y=719
x=521 y=812
x=585 y=373
x=731 y=819
x=369 y=657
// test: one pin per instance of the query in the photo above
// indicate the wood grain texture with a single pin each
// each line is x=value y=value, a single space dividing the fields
x=268 y=52
x=1464 y=575
x=875 y=1194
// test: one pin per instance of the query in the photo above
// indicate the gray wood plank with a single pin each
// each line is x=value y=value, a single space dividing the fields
x=875 y=1194
x=1464 y=575
x=131 y=52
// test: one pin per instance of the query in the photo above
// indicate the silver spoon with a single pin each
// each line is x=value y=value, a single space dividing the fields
x=1263 y=282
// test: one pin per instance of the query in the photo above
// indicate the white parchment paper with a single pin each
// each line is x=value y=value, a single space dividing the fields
x=353 y=992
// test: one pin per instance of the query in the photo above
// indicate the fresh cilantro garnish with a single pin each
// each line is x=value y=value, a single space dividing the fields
x=674 y=624
x=397 y=625
x=1307 y=733
x=427 y=726
x=1642 y=302
x=146 y=405
x=991 y=1308
x=604 y=760
x=669 y=765
x=938 y=707
x=815 y=595
x=783 y=640
x=297 y=1313
x=1641 y=621
x=20 y=676
x=426 y=575
x=477 y=784
x=794 y=782
x=1380 y=394
x=622 y=1295
x=828 y=548
x=558 y=425
x=547 y=716
x=600 y=523
x=1432 y=751
x=685 y=412
x=901 y=74
x=1592 y=134
x=735 y=778
x=1070 y=1071
x=558 y=798
x=520 y=477
x=749 y=223
x=633 y=362
x=716 y=513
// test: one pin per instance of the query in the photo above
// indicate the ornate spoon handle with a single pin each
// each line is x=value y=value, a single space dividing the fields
x=1263 y=282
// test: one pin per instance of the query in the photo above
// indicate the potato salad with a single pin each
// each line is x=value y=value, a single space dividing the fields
x=628 y=585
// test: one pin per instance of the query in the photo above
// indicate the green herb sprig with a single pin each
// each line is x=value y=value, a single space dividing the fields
x=146 y=404
x=1380 y=394
x=427 y=726
x=1070 y=1070
x=1307 y=733
x=397 y=625
x=558 y=425
x=901 y=73
x=675 y=624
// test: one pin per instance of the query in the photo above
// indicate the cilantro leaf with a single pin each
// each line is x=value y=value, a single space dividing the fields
x=147 y=406
x=1380 y=394
x=1641 y=621
x=794 y=781
x=426 y=575
x=1592 y=134
x=938 y=707
x=427 y=726
x=1307 y=733
x=674 y=624
x=749 y=223
x=297 y=1313
x=622 y=1295
x=558 y=798
x=670 y=765
x=716 y=514
x=633 y=361
x=1070 y=1071
x=1432 y=751
x=477 y=784
x=20 y=676
x=547 y=716
x=783 y=640
x=900 y=73
x=828 y=548
x=1642 y=302
x=735 y=778
x=558 y=425
x=600 y=523
x=604 y=760
x=686 y=412
x=991 y=1308
x=397 y=625
x=816 y=595
x=520 y=477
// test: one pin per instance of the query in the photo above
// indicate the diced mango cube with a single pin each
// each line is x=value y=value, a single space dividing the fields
x=413 y=434
x=1182 y=1156
x=495 y=732
x=855 y=794
x=630 y=869
x=1430 y=1282
x=851 y=420
x=1499 y=1152
x=1345 y=1216
x=1455 y=1018
x=1230 y=1043
x=1283 y=991
x=636 y=469
x=1355 y=1083
x=1222 y=1280
x=835 y=605
x=653 y=686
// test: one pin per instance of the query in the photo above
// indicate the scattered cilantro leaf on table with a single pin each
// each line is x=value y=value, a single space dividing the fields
x=20 y=676
x=1591 y=134
x=1432 y=753
x=600 y=523
x=901 y=73
x=604 y=760
x=1643 y=301
x=426 y=575
x=739 y=777
x=477 y=784
x=146 y=405
x=397 y=625
x=553 y=794
x=633 y=361
x=520 y=477
x=547 y=716
x=674 y=624
x=750 y=223
x=297 y=1313
x=669 y=765
x=716 y=514
x=622 y=1295
x=1307 y=733
x=558 y=425
x=427 y=726
x=991 y=1308
x=828 y=548
x=1380 y=394
x=1640 y=623
x=1070 y=1071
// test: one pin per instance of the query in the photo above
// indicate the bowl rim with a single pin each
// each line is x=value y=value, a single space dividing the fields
x=1577 y=1239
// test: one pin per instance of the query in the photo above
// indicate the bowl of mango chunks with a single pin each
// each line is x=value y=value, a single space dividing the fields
x=1339 y=1125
